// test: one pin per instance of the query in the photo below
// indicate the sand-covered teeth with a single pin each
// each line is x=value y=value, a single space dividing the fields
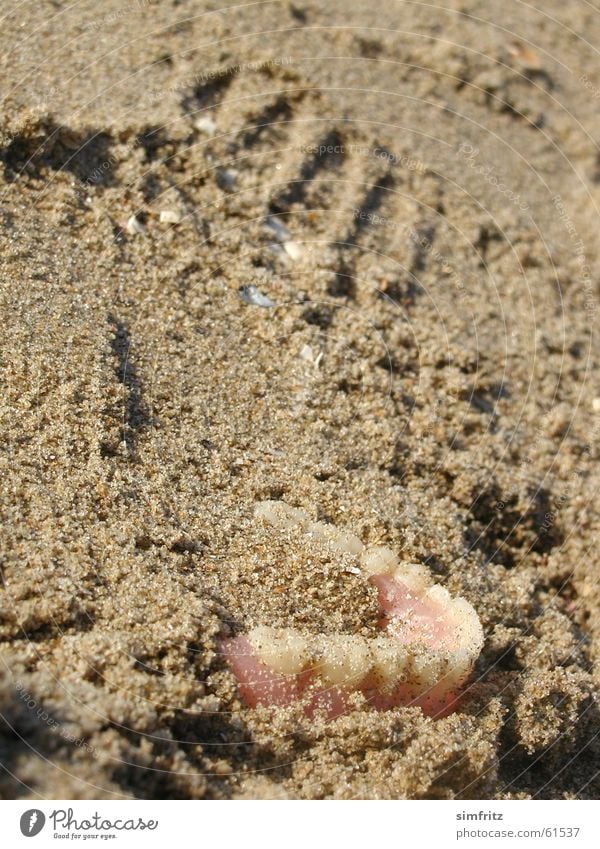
x=379 y=560
x=281 y=515
x=428 y=644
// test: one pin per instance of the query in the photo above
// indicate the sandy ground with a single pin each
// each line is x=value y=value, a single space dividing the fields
x=428 y=378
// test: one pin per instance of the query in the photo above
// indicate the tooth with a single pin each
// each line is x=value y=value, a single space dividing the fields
x=460 y=664
x=280 y=514
x=439 y=594
x=426 y=668
x=389 y=661
x=345 y=660
x=339 y=540
x=282 y=649
x=379 y=560
x=413 y=575
x=468 y=626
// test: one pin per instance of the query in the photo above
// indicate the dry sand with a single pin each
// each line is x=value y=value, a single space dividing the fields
x=444 y=277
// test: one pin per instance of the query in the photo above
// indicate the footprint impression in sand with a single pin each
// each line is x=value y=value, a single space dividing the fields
x=423 y=656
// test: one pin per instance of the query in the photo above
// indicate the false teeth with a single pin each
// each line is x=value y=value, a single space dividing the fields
x=425 y=653
x=284 y=650
x=342 y=541
x=379 y=560
x=345 y=660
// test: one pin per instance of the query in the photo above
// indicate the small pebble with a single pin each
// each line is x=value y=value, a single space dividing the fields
x=205 y=125
x=134 y=226
x=222 y=768
x=251 y=295
x=307 y=354
x=282 y=234
x=292 y=249
x=226 y=179
x=170 y=216
x=277 y=249
x=526 y=55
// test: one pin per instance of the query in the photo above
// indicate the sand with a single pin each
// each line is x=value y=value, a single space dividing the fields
x=428 y=379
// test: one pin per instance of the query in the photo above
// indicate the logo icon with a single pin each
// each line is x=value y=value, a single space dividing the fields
x=32 y=822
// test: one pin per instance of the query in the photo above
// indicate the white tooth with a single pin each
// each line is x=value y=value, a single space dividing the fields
x=413 y=575
x=319 y=531
x=379 y=560
x=460 y=664
x=426 y=668
x=345 y=660
x=282 y=649
x=439 y=595
x=389 y=661
x=339 y=540
x=468 y=626
x=280 y=514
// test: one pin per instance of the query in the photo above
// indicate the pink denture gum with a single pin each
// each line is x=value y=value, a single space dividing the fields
x=423 y=656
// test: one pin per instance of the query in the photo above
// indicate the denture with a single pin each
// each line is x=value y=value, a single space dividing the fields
x=423 y=656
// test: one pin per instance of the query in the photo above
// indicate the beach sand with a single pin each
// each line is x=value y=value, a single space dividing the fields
x=427 y=377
